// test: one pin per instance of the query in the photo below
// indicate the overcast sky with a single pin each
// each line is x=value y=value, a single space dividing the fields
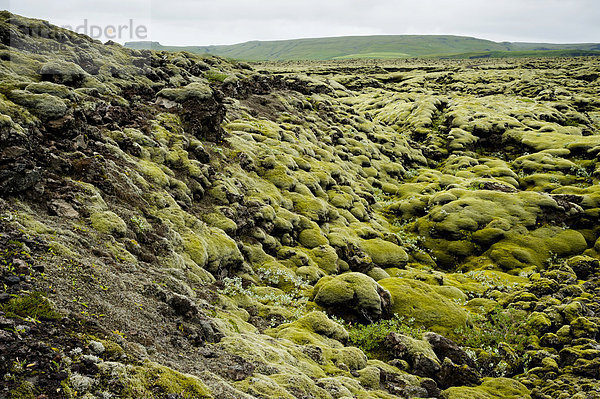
x=204 y=22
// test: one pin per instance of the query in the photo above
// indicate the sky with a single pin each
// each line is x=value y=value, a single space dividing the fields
x=206 y=22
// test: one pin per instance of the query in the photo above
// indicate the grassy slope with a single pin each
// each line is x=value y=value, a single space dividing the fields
x=525 y=54
x=405 y=46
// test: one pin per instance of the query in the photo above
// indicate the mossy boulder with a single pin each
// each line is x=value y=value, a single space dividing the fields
x=54 y=89
x=428 y=307
x=583 y=265
x=194 y=91
x=63 y=72
x=582 y=327
x=539 y=322
x=315 y=322
x=313 y=208
x=488 y=236
x=222 y=251
x=352 y=295
x=217 y=219
x=417 y=352
x=312 y=238
x=212 y=249
x=34 y=305
x=144 y=380
x=326 y=258
x=492 y=388
x=45 y=106
x=384 y=253
x=108 y=222
x=519 y=251
x=567 y=243
x=347 y=358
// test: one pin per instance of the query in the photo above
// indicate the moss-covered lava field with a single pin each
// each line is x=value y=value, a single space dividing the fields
x=176 y=226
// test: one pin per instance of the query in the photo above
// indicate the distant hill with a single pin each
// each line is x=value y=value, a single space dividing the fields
x=389 y=46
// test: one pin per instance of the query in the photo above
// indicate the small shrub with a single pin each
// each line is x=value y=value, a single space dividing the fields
x=215 y=76
x=369 y=338
x=499 y=326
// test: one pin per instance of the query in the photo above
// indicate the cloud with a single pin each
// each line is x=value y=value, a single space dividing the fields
x=201 y=22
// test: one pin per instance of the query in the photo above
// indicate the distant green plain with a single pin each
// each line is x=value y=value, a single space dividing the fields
x=386 y=47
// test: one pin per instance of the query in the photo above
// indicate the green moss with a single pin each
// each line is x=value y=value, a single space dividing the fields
x=222 y=251
x=153 y=172
x=351 y=292
x=340 y=199
x=112 y=350
x=195 y=247
x=215 y=76
x=420 y=301
x=34 y=305
x=153 y=381
x=384 y=253
x=350 y=358
x=45 y=106
x=481 y=305
x=582 y=327
x=281 y=178
x=194 y=91
x=567 y=243
x=488 y=236
x=54 y=89
x=217 y=219
x=108 y=222
x=312 y=238
x=519 y=252
x=275 y=274
x=474 y=210
x=492 y=388
x=313 y=208
x=263 y=387
x=370 y=377
x=539 y=322
x=316 y=322
x=378 y=273
x=326 y=258
x=280 y=354
x=63 y=72
x=24 y=391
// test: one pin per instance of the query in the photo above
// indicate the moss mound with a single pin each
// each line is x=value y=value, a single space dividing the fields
x=352 y=294
x=429 y=307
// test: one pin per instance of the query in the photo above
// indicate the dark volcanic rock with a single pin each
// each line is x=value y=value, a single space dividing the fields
x=446 y=348
x=451 y=375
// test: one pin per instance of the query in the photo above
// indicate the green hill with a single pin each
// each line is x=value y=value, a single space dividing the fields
x=391 y=46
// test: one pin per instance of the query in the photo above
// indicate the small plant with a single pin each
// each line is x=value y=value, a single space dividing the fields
x=119 y=333
x=476 y=186
x=369 y=338
x=580 y=171
x=294 y=299
x=488 y=332
x=215 y=76
x=140 y=224
x=277 y=277
x=411 y=173
x=553 y=261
